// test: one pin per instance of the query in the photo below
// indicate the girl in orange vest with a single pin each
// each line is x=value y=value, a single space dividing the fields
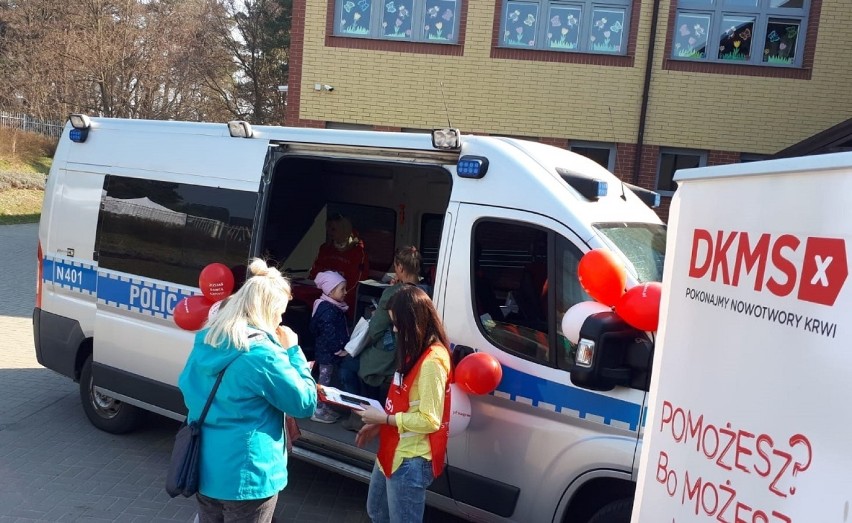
x=414 y=427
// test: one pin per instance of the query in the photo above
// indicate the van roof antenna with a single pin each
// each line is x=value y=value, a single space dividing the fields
x=444 y=99
x=617 y=156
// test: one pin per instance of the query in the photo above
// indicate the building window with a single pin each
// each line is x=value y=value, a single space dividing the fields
x=752 y=32
x=581 y=26
x=602 y=153
x=673 y=160
x=753 y=157
x=432 y=21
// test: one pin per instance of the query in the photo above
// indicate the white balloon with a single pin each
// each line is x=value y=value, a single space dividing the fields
x=576 y=315
x=214 y=310
x=459 y=410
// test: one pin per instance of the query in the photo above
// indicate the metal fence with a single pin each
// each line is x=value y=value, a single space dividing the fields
x=24 y=122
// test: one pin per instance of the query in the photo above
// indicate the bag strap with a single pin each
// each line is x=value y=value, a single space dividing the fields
x=216 y=385
x=210 y=398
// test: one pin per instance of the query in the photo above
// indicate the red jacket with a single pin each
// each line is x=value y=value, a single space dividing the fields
x=351 y=263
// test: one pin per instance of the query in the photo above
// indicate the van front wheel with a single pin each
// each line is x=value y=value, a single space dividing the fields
x=615 y=512
x=105 y=412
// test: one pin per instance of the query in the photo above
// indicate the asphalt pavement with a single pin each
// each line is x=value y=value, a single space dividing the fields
x=55 y=466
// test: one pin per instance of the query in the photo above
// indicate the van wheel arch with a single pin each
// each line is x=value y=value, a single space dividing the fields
x=83 y=352
x=596 y=494
x=106 y=413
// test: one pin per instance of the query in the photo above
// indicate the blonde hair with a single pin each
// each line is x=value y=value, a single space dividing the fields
x=259 y=304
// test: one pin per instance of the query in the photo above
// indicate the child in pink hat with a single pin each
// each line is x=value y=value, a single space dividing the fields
x=328 y=325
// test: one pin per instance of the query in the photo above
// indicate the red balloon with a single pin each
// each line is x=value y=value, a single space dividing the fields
x=640 y=306
x=478 y=373
x=216 y=281
x=602 y=276
x=191 y=312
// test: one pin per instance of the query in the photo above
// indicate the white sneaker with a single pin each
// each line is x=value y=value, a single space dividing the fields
x=324 y=417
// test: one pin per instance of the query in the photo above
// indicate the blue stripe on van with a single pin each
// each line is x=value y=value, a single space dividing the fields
x=138 y=295
x=72 y=275
x=131 y=293
x=115 y=289
x=519 y=385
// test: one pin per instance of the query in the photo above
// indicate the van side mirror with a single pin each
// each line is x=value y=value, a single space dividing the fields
x=611 y=353
x=459 y=352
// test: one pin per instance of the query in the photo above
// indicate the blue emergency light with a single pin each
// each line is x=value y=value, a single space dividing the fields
x=472 y=166
x=78 y=135
x=81 y=125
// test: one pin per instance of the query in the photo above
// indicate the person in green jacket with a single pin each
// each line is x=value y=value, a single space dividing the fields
x=243 y=463
x=378 y=359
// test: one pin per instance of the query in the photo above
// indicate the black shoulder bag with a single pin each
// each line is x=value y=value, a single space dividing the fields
x=182 y=478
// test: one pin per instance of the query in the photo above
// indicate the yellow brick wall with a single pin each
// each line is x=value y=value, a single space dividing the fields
x=548 y=99
x=755 y=114
x=517 y=97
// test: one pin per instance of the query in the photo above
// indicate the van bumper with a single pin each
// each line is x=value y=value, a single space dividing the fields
x=57 y=341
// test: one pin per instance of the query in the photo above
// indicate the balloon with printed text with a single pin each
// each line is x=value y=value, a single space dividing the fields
x=640 y=306
x=574 y=317
x=602 y=276
x=478 y=373
x=216 y=281
x=191 y=312
x=459 y=410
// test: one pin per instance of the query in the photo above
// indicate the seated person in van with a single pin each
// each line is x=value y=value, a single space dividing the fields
x=378 y=359
x=342 y=252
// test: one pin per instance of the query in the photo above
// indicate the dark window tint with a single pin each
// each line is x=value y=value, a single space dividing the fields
x=170 y=231
x=670 y=163
x=430 y=243
x=510 y=291
x=524 y=279
x=600 y=155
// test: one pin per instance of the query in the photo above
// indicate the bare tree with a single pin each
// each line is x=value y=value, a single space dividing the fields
x=257 y=37
x=123 y=58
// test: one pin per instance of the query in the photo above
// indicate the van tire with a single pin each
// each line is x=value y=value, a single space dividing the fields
x=615 y=512
x=106 y=413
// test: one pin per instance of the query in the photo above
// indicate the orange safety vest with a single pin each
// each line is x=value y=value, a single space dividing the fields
x=398 y=401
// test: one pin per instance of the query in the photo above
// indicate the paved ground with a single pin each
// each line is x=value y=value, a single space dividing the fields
x=55 y=466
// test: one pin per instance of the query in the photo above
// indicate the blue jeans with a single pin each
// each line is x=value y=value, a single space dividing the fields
x=348 y=373
x=402 y=497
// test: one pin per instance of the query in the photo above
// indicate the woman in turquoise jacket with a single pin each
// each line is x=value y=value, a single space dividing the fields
x=243 y=461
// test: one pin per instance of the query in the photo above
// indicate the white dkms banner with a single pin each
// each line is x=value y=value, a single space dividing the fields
x=750 y=412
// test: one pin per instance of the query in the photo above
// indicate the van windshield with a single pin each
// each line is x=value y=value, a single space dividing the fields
x=643 y=244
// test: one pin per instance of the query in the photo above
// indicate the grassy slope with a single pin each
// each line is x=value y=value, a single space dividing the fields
x=25 y=160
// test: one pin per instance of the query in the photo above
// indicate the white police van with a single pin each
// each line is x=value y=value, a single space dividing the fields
x=135 y=209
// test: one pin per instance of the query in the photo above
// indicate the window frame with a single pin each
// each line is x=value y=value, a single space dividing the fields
x=611 y=162
x=586 y=7
x=808 y=36
x=541 y=55
x=702 y=162
x=418 y=13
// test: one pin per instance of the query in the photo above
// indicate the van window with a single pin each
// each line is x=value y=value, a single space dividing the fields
x=643 y=244
x=513 y=287
x=170 y=231
x=431 y=226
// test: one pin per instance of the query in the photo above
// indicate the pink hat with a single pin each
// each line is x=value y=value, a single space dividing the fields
x=328 y=280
